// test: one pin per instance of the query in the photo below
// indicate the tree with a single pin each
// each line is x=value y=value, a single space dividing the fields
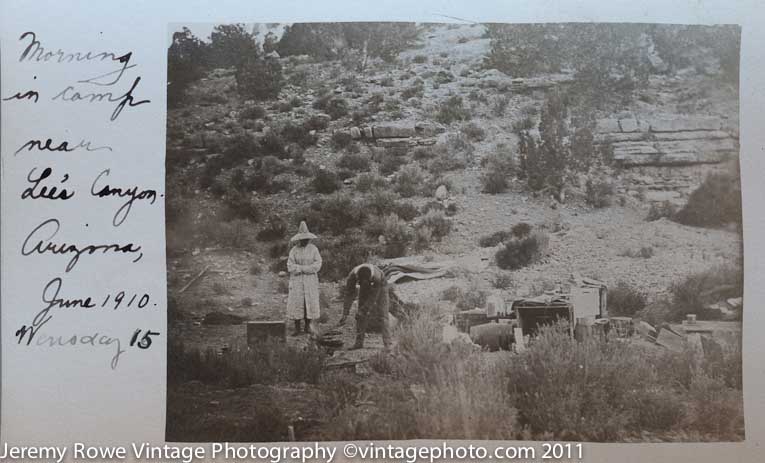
x=259 y=78
x=231 y=45
x=186 y=62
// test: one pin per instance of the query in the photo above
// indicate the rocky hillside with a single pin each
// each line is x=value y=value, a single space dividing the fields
x=241 y=174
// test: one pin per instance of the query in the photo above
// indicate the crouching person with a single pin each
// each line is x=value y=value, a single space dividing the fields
x=373 y=302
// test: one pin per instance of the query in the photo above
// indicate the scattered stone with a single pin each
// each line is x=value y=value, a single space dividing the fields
x=442 y=193
x=282 y=273
x=393 y=131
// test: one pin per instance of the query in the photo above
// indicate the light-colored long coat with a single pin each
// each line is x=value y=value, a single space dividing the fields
x=303 y=266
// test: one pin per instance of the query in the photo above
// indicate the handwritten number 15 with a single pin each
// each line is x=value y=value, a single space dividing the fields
x=145 y=341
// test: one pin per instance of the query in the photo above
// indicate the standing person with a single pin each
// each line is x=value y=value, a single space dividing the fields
x=303 y=265
x=373 y=301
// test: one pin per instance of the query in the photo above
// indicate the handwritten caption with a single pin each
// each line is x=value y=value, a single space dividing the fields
x=107 y=82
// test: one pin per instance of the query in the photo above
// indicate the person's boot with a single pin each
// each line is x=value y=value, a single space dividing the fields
x=308 y=326
x=297 y=328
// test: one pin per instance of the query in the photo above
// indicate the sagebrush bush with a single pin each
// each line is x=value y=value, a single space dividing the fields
x=316 y=123
x=698 y=290
x=472 y=298
x=598 y=194
x=624 y=300
x=409 y=180
x=437 y=222
x=521 y=252
x=489 y=241
x=520 y=230
x=325 y=181
x=664 y=209
x=299 y=134
x=270 y=363
x=716 y=202
x=260 y=79
x=391 y=164
x=252 y=112
x=394 y=232
x=493 y=181
x=354 y=161
x=240 y=206
x=335 y=214
x=452 y=110
x=275 y=229
x=473 y=131
x=341 y=254
x=335 y=107
x=368 y=181
x=341 y=139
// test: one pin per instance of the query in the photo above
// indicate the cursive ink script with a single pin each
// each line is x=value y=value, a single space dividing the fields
x=44 y=191
x=39 y=242
x=132 y=193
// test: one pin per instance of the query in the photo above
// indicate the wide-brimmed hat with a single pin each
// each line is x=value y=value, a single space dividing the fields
x=303 y=233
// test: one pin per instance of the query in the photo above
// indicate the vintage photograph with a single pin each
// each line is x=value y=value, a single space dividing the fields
x=399 y=231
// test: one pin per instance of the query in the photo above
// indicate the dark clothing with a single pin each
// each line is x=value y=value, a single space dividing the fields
x=373 y=302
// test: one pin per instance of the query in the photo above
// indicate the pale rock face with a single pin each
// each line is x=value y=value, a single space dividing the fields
x=442 y=193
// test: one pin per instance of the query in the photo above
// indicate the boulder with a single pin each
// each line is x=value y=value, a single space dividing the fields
x=355 y=133
x=442 y=193
x=395 y=142
x=368 y=132
x=393 y=131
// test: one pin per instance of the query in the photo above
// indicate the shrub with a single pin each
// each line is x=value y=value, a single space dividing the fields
x=406 y=210
x=598 y=194
x=520 y=252
x=336 y=107
x=409 y=180
x=342 y=254
x=255 y=269
x=422 y=237
x=716 y=202
x=493 y=182
x=500 y=106
x=241 y=206
x=624 y=300
x=452 y=110
x=393 y=230
x=325 y=181
x=278 y=250
x=391 y=164
x=369 y=181
x=341 y=140
x=570 y=409
x=436 y=221
x=489 y=241
x=272 y=362
x=252 y=112
x=238 y=149
x=260 y=79
x=465 y=300
x=415 y=91
x=299 y=134
x=316 y=123
x=521 y=230
x=422 y=153
x=473 y=132
x=696 y=291
x=502 y=281
x=335 y=214
x=664 y=209
x=456 y=154
x=273 y=144
x=353 y=161
x=714 y=408
x=275 y=229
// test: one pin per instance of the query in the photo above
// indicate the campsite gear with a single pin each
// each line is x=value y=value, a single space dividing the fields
x=532 y=313
x=264 y=330
x=373 y=302
x=303 y=265
x=303 y=233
